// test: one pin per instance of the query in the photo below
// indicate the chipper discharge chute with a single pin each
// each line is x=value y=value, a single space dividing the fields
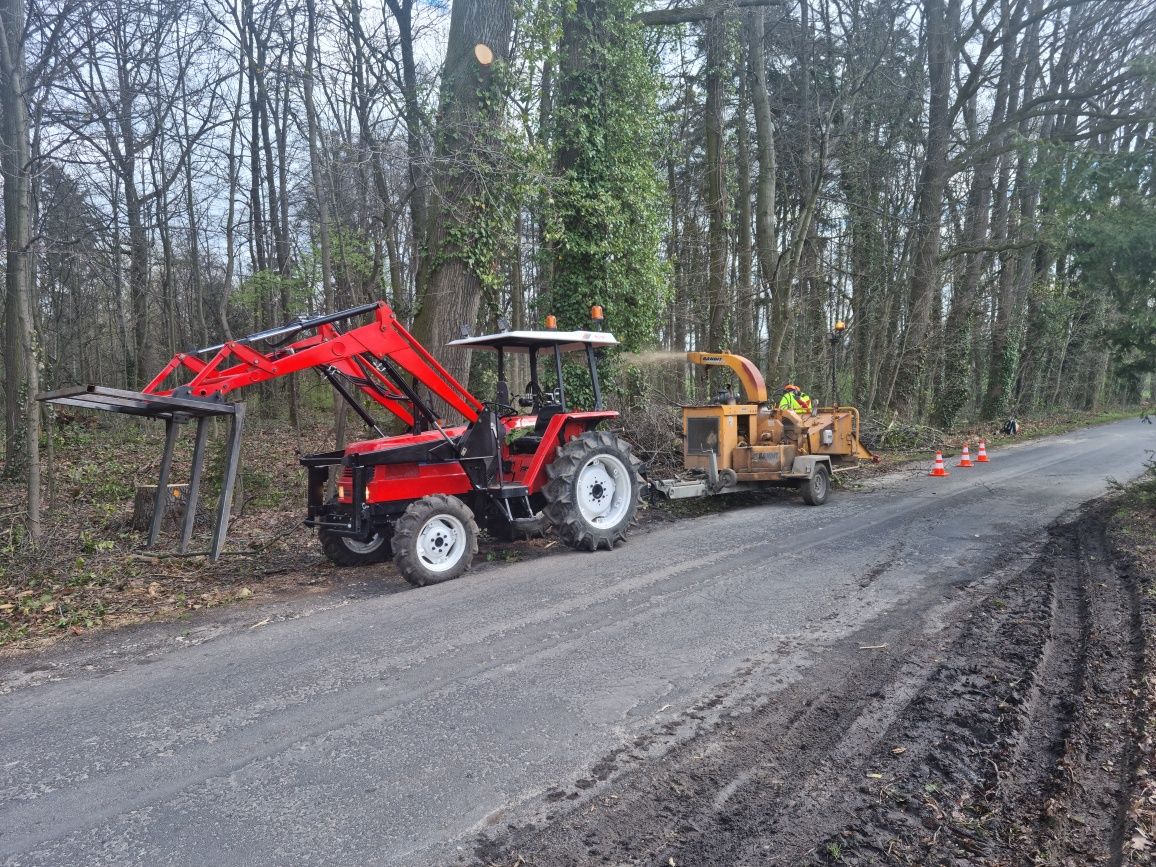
x=418 y=495
x=734 y=444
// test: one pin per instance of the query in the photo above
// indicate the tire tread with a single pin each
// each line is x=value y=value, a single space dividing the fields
x=561 y=510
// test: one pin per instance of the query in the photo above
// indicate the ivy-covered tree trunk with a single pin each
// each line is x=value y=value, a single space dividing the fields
x=461 y=231
x=606 y=221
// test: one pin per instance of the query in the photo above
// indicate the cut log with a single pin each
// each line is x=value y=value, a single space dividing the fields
x=146 y=497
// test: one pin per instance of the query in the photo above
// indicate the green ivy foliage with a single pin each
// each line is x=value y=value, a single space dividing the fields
x=603 y=217
x=1106 y=219
x=502 y=172
x=486 y=234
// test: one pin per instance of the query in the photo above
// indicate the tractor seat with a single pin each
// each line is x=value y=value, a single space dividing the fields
x=528 y=444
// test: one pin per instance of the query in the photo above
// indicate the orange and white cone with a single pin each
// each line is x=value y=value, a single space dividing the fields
x=982 y=457
x=940 y=469
x=965 y=458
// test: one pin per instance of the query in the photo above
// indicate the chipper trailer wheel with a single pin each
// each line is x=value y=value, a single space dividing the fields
x=346 y=551
x=435 y=540
x=816 y=488
x=593 y=491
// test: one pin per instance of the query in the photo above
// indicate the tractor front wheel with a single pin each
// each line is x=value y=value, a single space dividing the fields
x=593 y=491
x=435 y=540
x=347 y=551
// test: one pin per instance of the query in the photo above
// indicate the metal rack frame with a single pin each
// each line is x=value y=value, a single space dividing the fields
x=174 y=411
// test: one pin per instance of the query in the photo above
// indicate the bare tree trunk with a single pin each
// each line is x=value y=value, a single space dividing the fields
x=230 y=218
x=253 y=62
x=718 y=235
x=941 y=21
x=16 y=168
x=765 y=227
x=418 y=176
x=362 y=106
x=138 y=272
x=321 y=192
x=744 y=290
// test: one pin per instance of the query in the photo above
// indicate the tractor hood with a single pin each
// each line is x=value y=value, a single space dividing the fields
x=415 y=445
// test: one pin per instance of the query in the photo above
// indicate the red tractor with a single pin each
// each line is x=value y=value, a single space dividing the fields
x=418 y=496
x=422 y=495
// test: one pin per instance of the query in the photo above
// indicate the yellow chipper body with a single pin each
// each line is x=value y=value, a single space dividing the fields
x=735 y=445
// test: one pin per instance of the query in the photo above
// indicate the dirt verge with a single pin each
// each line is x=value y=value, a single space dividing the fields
x=1017 y=735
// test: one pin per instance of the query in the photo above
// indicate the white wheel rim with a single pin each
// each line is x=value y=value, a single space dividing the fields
x=441 y=543
x=367 y=547
x=820 y=484
x=603 y=491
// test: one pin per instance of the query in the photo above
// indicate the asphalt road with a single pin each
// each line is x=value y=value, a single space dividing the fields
x=395 y=727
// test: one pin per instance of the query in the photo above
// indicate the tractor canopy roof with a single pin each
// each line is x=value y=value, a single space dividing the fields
x=522 y=341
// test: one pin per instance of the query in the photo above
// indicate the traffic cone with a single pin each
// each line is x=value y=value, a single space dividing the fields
x=940 y=469
x=982 y=458
x=965 y=458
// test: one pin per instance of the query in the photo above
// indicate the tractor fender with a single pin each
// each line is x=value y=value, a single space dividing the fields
x=803 y=466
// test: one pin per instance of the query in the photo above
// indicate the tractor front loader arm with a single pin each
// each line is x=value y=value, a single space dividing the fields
x=376 y=357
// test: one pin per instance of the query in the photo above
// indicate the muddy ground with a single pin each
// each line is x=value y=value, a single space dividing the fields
x=1019 y=733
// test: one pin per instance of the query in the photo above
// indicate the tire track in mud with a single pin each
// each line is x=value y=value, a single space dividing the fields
x=1007 y=737
x=1055 y=726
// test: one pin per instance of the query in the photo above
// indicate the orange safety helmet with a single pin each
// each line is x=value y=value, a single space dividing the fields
x=789 y=387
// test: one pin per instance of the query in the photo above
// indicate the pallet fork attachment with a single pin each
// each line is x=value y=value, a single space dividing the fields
x=376 y=358
x=174 y=412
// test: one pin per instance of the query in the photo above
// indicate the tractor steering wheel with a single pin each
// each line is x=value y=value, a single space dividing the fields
x=536 y=397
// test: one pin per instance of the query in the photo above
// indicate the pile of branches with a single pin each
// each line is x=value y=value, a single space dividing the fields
x=882 y=433
x=655 y=431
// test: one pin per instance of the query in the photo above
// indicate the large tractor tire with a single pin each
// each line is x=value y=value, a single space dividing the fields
x=346 y=551
x=816 y=488
x=435 y=540
x=593 y=491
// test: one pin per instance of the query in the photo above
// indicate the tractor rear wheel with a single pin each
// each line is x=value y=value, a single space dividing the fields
x=593 y=491
x=435 y=540
x=816 y=488
x=347 y=551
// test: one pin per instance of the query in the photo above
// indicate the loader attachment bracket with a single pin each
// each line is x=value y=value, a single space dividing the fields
x=173 y=411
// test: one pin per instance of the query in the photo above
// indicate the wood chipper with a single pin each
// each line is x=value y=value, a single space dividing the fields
x=740 y=445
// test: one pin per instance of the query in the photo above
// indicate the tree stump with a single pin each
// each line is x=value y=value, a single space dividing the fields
x=146 y=497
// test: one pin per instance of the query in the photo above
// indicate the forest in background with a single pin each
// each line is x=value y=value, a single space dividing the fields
x=969 y=186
